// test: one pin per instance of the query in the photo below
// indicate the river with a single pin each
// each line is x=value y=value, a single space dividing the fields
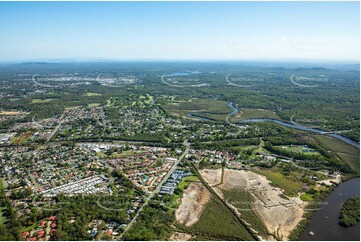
x=283 y=123
x=324 y=224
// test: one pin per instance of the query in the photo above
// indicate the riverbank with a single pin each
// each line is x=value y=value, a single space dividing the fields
x=322 y=220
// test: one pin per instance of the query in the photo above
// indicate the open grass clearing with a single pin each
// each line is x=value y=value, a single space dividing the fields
x=352 y=160
x=290 y=187
x=335 y=145
x=93 y=105
x=258 y=113
x=299 y=149
x=198 y=105
x=347 y=153
x=37 y=100
x=186 y=181
x=92 y=94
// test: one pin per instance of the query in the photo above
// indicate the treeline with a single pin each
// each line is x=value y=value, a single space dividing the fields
x=9 y=229
x=154 y=223
x=325 y=159
x=84 y=209
x=350 y=212
x=225 y=144
x=284 y=152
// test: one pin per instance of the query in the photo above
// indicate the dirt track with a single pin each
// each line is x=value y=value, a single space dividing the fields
x=194 y=199
x=279 y=214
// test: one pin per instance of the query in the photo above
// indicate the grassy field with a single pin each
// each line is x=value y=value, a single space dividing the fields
x=1 y=185
x=278 y=180
x=93 y=105
x=335 y=144
x=21 y=139
x=243 y=200
x=346 y=152
x=258 y=113
x=352 y=160
x=186 y=181
x=217 y=223
x=92 y=94
x=306 y=197
x=218 y=117
x=148 y=99
x=299 y=149
x=41 y=100
x=183 y=107
x=2 y=218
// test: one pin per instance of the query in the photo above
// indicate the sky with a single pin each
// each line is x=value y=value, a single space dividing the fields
x=180 y=30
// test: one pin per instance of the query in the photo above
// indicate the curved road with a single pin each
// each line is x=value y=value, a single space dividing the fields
x=299 y=84
x=234 y=84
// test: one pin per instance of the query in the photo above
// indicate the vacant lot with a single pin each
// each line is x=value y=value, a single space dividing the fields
x=176 y=236
x=278 y=213
x=195 y=197
x=9 y=113
x=213 y=177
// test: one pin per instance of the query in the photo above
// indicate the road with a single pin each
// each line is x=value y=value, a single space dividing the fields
x=43 y=85
x=234 y=84
x=151 y=195
x=299 y=84
x=57 y=127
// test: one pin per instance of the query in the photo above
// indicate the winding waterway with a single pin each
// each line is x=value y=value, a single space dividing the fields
x=324 y=224
x=186 y=73
x=283 y=123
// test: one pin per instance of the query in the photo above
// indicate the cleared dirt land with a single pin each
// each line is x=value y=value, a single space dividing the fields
x=195 y=197
x=9 y=113
x=176 y=236
x=279 y=213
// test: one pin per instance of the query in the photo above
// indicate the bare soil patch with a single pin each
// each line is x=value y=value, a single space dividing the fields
x=176 y=236
x=9 y=113
x=194 y=199
x=279 y=213
x=212 y=177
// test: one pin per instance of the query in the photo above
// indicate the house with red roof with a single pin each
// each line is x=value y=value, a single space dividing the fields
x=41 y=233
x=25 y=234
x=53 y=225
x=42 y=224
